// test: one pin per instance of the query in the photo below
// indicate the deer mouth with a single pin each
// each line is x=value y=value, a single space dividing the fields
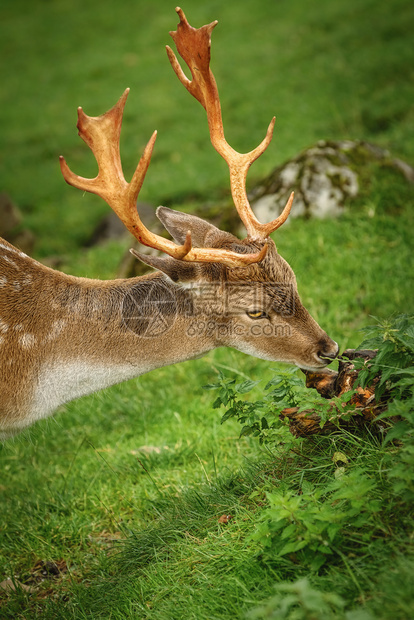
x=315 y=368
x=323 y=360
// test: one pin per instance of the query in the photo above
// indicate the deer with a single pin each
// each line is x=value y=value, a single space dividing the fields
x=62 y=337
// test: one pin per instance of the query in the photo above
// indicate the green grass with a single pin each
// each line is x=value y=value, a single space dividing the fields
x=126 y=486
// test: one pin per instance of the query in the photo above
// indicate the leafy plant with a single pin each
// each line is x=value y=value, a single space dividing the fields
x=313 y=524
x=392 y=367
x=260 y=418
x=310 y=524
x=299 y=601
x=394 y=362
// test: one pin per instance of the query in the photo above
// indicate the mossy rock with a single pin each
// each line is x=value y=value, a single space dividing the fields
x=325 y=179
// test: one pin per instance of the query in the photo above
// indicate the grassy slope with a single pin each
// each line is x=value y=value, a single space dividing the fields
x=72 y=484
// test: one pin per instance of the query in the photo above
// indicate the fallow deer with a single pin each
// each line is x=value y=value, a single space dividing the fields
x=62 y=336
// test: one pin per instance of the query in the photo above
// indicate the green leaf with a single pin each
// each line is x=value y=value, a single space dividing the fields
x=292 y=547
x=246 y=386
x=231 y=412
x=398 y=431
x=211 y=386
x=246 y=430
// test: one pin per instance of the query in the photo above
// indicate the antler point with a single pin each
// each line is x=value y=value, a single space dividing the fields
x=187 y=243
x=263 y=252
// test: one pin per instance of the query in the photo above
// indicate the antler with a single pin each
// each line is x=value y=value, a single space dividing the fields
x=193 y=45
x=102 y=135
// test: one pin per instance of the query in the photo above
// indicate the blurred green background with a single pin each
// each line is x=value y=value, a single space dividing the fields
x=327 y=70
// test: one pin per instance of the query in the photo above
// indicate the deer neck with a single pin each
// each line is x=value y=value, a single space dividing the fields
x=83 y=335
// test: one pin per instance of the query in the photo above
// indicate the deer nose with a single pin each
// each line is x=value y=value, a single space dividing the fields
x=329 y=349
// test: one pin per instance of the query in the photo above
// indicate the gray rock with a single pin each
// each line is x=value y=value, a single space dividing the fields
x=323 y=178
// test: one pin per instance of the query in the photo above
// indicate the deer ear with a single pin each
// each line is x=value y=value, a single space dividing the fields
x=176 y=270
x=178 y=224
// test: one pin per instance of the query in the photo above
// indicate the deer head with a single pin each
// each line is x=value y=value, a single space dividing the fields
x=270 y=321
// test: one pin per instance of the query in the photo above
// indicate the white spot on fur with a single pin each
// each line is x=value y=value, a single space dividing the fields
x=7 y=259
x=3 y=281
x=18 y=327
x=3 y=326
x=27 y=341
x=97 y=306
x=11 y=248
x=17 y=285
x=1 y=339
x=56 y=329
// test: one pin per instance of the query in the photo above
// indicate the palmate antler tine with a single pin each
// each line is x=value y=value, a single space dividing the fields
x=194 y=45
x=102 y=135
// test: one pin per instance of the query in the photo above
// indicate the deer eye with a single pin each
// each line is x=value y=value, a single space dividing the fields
x=257 y=314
